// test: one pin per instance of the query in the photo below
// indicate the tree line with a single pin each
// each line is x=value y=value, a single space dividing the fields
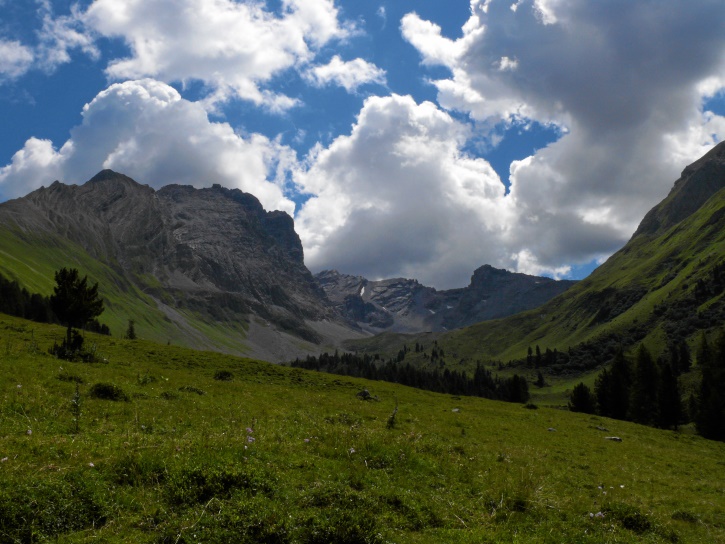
x=646 y=391
x=482 y=383
x=17 y=301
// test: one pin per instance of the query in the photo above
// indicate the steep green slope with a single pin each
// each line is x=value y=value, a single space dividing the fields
x=282 y=455
x=32 y=260
x=647 y=291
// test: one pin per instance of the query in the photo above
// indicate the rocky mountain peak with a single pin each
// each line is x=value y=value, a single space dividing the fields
x=698 y=182
x=214 y=250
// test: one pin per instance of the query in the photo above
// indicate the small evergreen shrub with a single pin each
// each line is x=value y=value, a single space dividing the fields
x=107 y=391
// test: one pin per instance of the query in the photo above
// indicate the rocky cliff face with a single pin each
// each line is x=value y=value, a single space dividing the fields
x=698 y=182
x=215 y=251
x=404 y=305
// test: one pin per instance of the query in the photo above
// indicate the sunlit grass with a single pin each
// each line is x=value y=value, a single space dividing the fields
x=282 y=455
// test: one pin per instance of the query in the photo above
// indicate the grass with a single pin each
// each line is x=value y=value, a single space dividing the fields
x=282 y=455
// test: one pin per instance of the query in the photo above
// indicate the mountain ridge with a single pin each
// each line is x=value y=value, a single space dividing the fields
x=405 y=305
x=210 y=252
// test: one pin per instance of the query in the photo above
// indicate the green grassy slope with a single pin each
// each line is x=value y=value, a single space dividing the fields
x=627 y=297
x=282 y=455
x=32 y=261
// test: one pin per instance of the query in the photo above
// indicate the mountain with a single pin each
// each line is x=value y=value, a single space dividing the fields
x=404 y=305
x=208 y=268
x=664 y=286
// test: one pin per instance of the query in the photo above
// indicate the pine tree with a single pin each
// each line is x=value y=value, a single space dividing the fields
x=74 y=301
x=582 y=400
x=669 y=403
x=612 y=388
x=685 y=358
x=704 y=351
x=710 y=420
x=131 y=330
x=603 y=393
x=643 y=397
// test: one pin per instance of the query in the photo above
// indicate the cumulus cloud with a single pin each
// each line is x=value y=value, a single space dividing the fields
x=234 y=48
x=398 y=197
x=348 y=74
x=15 y=59
x=625 y=81
x=147 y=131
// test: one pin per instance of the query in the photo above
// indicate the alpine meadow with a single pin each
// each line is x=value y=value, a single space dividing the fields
x=343 y=272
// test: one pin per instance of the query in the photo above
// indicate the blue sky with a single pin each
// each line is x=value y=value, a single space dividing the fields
x=407 y=138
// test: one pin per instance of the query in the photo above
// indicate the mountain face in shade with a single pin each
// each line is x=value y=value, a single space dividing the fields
x=214 y=251
x=404 y=305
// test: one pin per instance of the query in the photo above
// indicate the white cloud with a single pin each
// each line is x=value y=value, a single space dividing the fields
x=625 y=82
x=15 y=59
x=348 y=74
x=235 y=48
x=56 y=38
x=145 y=130
x=398 y=197
x=60 y=35
x=383 y=14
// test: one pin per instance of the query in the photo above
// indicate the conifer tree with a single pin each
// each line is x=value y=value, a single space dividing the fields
x=710 y=418
x=685 y=359
x=643 y=397
x=603 y=393
x=582 y=400
x=74 y=301
x=669 y=403
x=612 y=388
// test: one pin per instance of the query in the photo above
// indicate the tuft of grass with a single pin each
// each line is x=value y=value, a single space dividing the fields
x=192 y=389
x=223 y=376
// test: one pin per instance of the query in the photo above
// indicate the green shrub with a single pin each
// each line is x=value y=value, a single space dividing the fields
x=223 y=376
x=629 y=517
x=107 y=391
x=199 y=484
x=41 y=510
x=138 y=470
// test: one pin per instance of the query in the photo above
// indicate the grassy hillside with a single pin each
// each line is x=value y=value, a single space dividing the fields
x=32 y=261
x=647 y=292
x=281 y=455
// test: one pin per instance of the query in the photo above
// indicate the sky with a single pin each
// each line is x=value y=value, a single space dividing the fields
x=407 y=138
